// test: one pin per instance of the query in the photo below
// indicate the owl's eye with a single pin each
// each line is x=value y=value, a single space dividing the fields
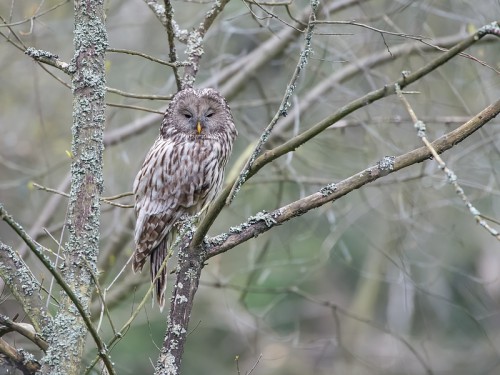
x=210 y=114
x=187 y=115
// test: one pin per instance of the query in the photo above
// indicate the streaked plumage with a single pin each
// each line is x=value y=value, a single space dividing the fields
x=183 y=171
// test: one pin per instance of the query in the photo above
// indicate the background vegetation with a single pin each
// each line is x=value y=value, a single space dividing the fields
x=394 y=278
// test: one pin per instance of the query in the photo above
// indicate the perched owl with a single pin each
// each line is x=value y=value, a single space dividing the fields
x=183 y=171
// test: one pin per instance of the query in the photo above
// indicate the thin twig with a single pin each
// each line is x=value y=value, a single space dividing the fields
x=284 y=106
x=119 y=335
x=146 y=56
x=354 y=23
x=263 y=221
x=342 y=112
x=102 y=199
x=118 y=196
x=138 y=96
x=36 y=249
x=36 y=15
x=172 y=54
x=135 y=107
x=450 y=175
x=27 y=330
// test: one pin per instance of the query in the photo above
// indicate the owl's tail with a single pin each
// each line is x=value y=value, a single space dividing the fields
x=157 y=257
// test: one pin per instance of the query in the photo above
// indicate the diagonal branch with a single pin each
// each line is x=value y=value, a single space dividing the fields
x=451 y=177
x=23 y=285
x=71 y=295
x=285 y=103
x=342 y=112
x=24 y=329
x=22 y=360
x=263 y=222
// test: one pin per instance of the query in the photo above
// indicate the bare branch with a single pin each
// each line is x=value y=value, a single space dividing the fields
x=36 y=15
x=138 y=96
x=134 y=107
x=146 y=56
x=102 y=199
x=365 y=100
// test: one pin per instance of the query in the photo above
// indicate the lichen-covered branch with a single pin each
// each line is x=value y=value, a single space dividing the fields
x=48 y=58
x=285 y=103
x=23 y=285
x=450 y=175
x=172 y=54
x=68 y=329
x=188 y=273
x=158 y=10
x=264 y=221
x=19 y=358
x=365 y=100
x=342 y=112
x=24 y=329
x=194 y=49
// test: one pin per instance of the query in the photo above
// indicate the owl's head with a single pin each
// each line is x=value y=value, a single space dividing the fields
x=198 y=113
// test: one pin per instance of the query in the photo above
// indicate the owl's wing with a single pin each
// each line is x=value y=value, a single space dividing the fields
x=170 y=184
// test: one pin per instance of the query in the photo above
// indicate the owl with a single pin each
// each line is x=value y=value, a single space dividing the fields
x=182 y=173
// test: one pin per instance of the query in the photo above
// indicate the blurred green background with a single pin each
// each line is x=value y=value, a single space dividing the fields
x=394 y=278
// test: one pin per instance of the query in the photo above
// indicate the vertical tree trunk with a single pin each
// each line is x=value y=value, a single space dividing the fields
x=68 y=332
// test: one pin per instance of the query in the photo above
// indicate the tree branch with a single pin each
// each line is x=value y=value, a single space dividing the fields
x=48 y=58
x=285 y=103
x=262 y=222
x=186 y=284
x=172 y=54
x=22 y=284
x=365 y=100
x=48 y=325
x=194 y=49
x=312 y=132
x=70 y=326
x=22 y=360
x=451 y=177
x=24 y=329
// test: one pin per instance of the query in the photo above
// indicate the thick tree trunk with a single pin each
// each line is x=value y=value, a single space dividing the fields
x=68 y=331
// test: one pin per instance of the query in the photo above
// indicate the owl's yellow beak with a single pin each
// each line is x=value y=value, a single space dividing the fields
x=198 y=127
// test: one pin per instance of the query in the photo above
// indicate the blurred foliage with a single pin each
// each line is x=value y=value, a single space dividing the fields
x=355 y=287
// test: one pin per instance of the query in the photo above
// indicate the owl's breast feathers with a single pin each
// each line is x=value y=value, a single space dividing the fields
x=178 y=177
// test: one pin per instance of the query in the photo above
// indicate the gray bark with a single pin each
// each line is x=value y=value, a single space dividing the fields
x=67 y=333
